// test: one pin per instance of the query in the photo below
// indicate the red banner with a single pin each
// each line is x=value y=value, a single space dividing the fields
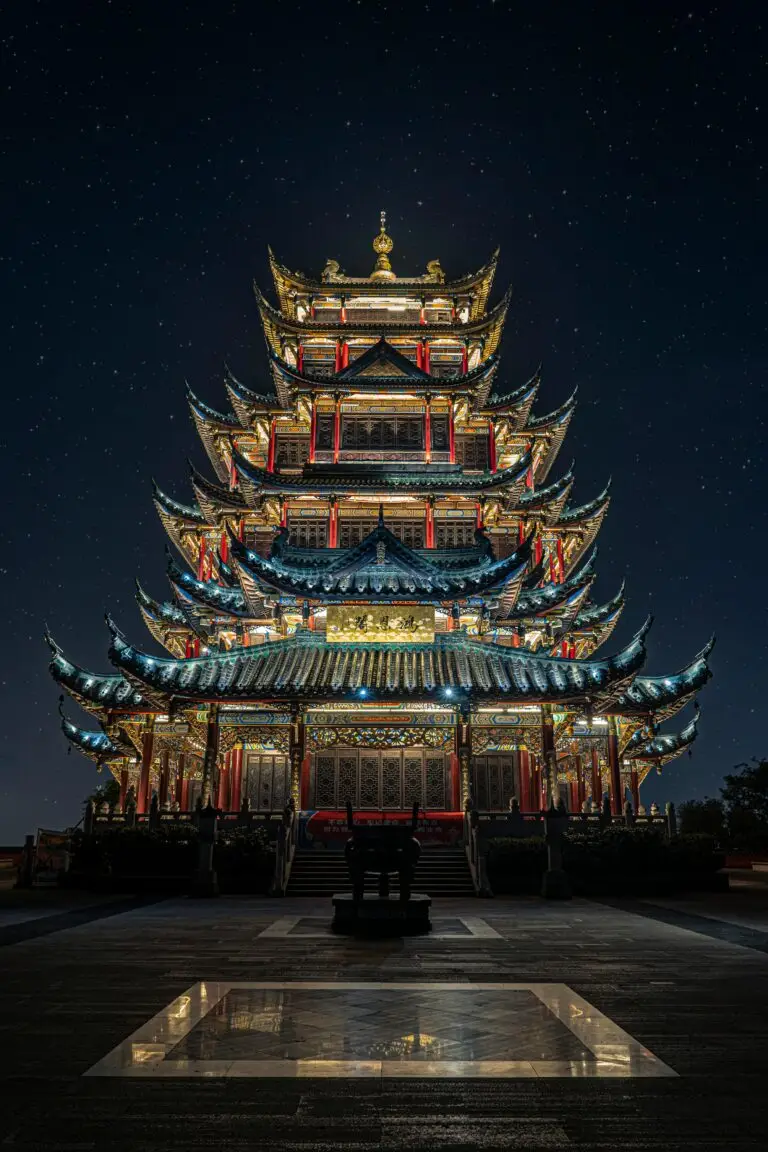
x=328 y=829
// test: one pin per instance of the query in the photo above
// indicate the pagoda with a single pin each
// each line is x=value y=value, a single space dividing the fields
x=382 y=592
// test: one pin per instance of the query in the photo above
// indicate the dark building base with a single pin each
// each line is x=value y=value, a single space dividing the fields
x=381 y=916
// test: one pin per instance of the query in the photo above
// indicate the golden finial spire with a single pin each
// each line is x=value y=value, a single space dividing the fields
x=381 y=246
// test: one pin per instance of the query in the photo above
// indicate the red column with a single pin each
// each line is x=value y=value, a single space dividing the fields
x=187 y=648
x=312 y=431
x=241 y=531
x=524 y=773
x=337 y=431
x=300 y=357
x=196 y=646
x=125 y=781
x=224 y=548
x=201 y=559
x=572 y=651
x=428 y=429
x=520 y=533
x=491 y=446
x=271 y=449
x=162 y=792
x=560 y=561
x=515 y=640
x=232 y=476
x=337 y=363
x=425 y=365
x=147 y=748
x=343 y=313
x=451 y=435
x=455 y=786
x=222 y=798
x=333 y=524
x=573 y=797
x=464 y=360
x=283 y=513
x=478 y=514
x=430 y=523
x=597 y=784
x=345 y=355
x=634 y=783
x=184 y=801
x=235 y=799
x=614 y=768
x=304 y=797
x=564 y=649
x=180 y=780
x=422 y=314
x=419 y=354
x=580 y=786
x=537 y=550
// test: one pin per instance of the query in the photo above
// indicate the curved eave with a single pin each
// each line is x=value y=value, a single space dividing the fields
x=215 y=432
x=247 y=404
x=662 y=696
x=584 y=523
x=207 y=594
x=97 y=746
x=489 y=327
x=177 y=519
x=253 y=481
x=287 y=283
x=165 y=622
x=549 y=598
x=549 y=500
x=552 y=429
x=214 y=500
x=306 y=667
x=94 y=692
x=515 y=405
x=664 y=747
x=409 y=576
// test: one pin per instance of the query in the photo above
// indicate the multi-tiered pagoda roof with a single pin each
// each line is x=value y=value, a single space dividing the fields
x=381 y=461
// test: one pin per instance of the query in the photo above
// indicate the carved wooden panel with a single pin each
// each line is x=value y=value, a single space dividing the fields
x=434 y=791
x=347 y=776
x=291 y=451
x=472 y=451
x=391 y=791
x=325 y=782
x=440 y=436
x=308 y=533
x=413 y=791
x=369 y=782
x=454 y=534
x=382 y=432
x=324 y=432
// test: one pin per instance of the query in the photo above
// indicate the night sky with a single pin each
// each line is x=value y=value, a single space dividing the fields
x=154 y=150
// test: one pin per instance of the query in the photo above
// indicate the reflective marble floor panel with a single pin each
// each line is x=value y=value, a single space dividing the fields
x=333 y=1029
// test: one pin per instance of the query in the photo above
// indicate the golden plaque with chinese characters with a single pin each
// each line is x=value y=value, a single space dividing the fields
x=380 y=624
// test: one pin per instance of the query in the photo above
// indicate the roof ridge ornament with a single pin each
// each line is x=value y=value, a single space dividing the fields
x=382 y=246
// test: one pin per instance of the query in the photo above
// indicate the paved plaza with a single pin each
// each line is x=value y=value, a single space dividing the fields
x=244 y=1023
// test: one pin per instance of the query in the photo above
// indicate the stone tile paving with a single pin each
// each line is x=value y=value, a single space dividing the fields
x=699 y=1003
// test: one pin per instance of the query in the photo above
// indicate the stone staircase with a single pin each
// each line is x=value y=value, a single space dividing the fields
x=440 y=872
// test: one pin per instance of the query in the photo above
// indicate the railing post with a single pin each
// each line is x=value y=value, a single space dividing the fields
x=206 y=883
x=555 y=884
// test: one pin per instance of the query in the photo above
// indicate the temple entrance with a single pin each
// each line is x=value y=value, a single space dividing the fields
x=495 y=780
x=380 y=780
x=266 y=782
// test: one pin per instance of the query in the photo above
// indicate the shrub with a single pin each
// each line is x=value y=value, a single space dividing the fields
x=244 y=860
